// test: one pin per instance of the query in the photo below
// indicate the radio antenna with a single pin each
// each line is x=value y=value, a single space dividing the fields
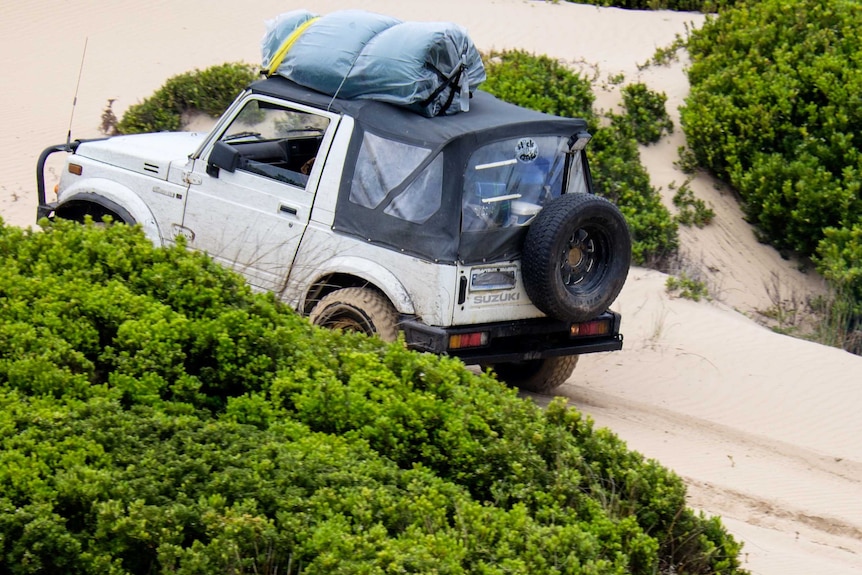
x=75 y=100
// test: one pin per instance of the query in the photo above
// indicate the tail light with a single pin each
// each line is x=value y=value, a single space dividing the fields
x=589 y=328
x=464 y=340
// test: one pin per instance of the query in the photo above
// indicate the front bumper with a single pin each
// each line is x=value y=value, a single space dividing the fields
x=44 y=209
x=516 y=340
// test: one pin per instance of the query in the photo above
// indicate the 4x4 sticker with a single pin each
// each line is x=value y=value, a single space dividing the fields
x=526 y=150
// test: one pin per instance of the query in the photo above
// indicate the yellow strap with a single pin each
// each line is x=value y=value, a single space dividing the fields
x=287 y=44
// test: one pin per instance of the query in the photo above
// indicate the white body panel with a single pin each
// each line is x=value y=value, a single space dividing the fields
x=147 y=154
x=251 y=223
x=491 y=305
x=247 y=222
x=277 y=235
x=156 y=204
x=414 y=286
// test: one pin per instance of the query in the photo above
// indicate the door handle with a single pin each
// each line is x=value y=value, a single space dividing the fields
x=287 y=209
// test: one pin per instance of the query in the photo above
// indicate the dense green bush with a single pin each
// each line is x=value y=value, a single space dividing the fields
x=156 y=416
x=538 y=82
x=544 y=84
x=775 y=110
x=645 y=113
x=840 y=261
x=680 y=5
x=209 y=91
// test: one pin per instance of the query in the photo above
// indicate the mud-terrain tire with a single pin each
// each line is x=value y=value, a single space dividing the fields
x=576 y=257
x=357 y=309
x=536 y=375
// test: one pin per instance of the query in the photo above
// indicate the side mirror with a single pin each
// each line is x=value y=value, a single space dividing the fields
x=225 y=157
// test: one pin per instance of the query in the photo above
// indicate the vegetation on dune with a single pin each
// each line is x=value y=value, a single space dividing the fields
x=775 y=110
x=646 y=114
x=209 y=91
x=157 y=416
x=678 y=5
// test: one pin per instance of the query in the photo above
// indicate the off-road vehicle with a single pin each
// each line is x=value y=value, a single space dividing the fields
x=475 y=235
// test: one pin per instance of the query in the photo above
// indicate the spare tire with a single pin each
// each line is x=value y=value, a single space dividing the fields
x=576 y=257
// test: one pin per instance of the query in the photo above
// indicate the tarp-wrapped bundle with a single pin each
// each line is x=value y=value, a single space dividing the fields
x=428 y=67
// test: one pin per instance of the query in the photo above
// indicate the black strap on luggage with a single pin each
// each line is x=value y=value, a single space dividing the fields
x=452 y=81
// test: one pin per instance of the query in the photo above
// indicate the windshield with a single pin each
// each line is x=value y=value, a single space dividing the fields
x=275 y=141
x=508 y=182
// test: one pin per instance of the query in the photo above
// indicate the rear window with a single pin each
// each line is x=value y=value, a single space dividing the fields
x=508 y=182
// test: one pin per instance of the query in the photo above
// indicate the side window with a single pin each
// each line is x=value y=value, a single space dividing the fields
x=422 y=198
x=276 y=142
x=381 y=166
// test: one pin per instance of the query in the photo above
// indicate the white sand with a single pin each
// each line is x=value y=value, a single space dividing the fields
x=765 y=429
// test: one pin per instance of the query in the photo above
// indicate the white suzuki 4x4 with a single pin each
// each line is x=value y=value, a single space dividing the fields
x=475 y=235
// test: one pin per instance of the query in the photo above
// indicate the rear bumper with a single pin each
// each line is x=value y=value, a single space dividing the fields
x=515 y=341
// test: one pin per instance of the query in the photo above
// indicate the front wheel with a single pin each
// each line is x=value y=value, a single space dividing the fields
x=357 y=309
x=536 y=375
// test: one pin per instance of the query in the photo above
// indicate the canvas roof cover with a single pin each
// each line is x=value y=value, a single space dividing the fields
x=449 y=141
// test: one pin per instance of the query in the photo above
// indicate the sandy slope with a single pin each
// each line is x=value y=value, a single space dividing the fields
x=764 y=428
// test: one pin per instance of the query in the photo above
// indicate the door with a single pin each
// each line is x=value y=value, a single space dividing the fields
x=251 y=215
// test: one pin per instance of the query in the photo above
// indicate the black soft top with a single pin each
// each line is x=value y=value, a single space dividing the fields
x=440 y=237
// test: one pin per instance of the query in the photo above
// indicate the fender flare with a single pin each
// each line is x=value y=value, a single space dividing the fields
x=370 y=271
x=118 y=199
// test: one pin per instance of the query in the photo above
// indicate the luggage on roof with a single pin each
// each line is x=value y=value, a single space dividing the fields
x=428 y=67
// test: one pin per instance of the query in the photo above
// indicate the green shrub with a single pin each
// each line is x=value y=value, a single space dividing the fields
x=774 y=109
x=776 y=113
x=538 y=82
x=840 y=262
x=692 y=210
x=646 y=113
x=544 y=84
x=188 y=425
x=686 y=287
x=209 y=91
x=841 y=258
x=664 y=55
x=680 y=5
x=687 y=162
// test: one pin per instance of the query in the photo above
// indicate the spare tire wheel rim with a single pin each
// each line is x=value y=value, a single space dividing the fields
x=579 y=260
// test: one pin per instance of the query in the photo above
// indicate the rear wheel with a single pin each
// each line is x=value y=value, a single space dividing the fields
x=357 y=309
x=536 y=375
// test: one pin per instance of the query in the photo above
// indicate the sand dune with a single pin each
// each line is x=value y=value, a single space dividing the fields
x=764 y=428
